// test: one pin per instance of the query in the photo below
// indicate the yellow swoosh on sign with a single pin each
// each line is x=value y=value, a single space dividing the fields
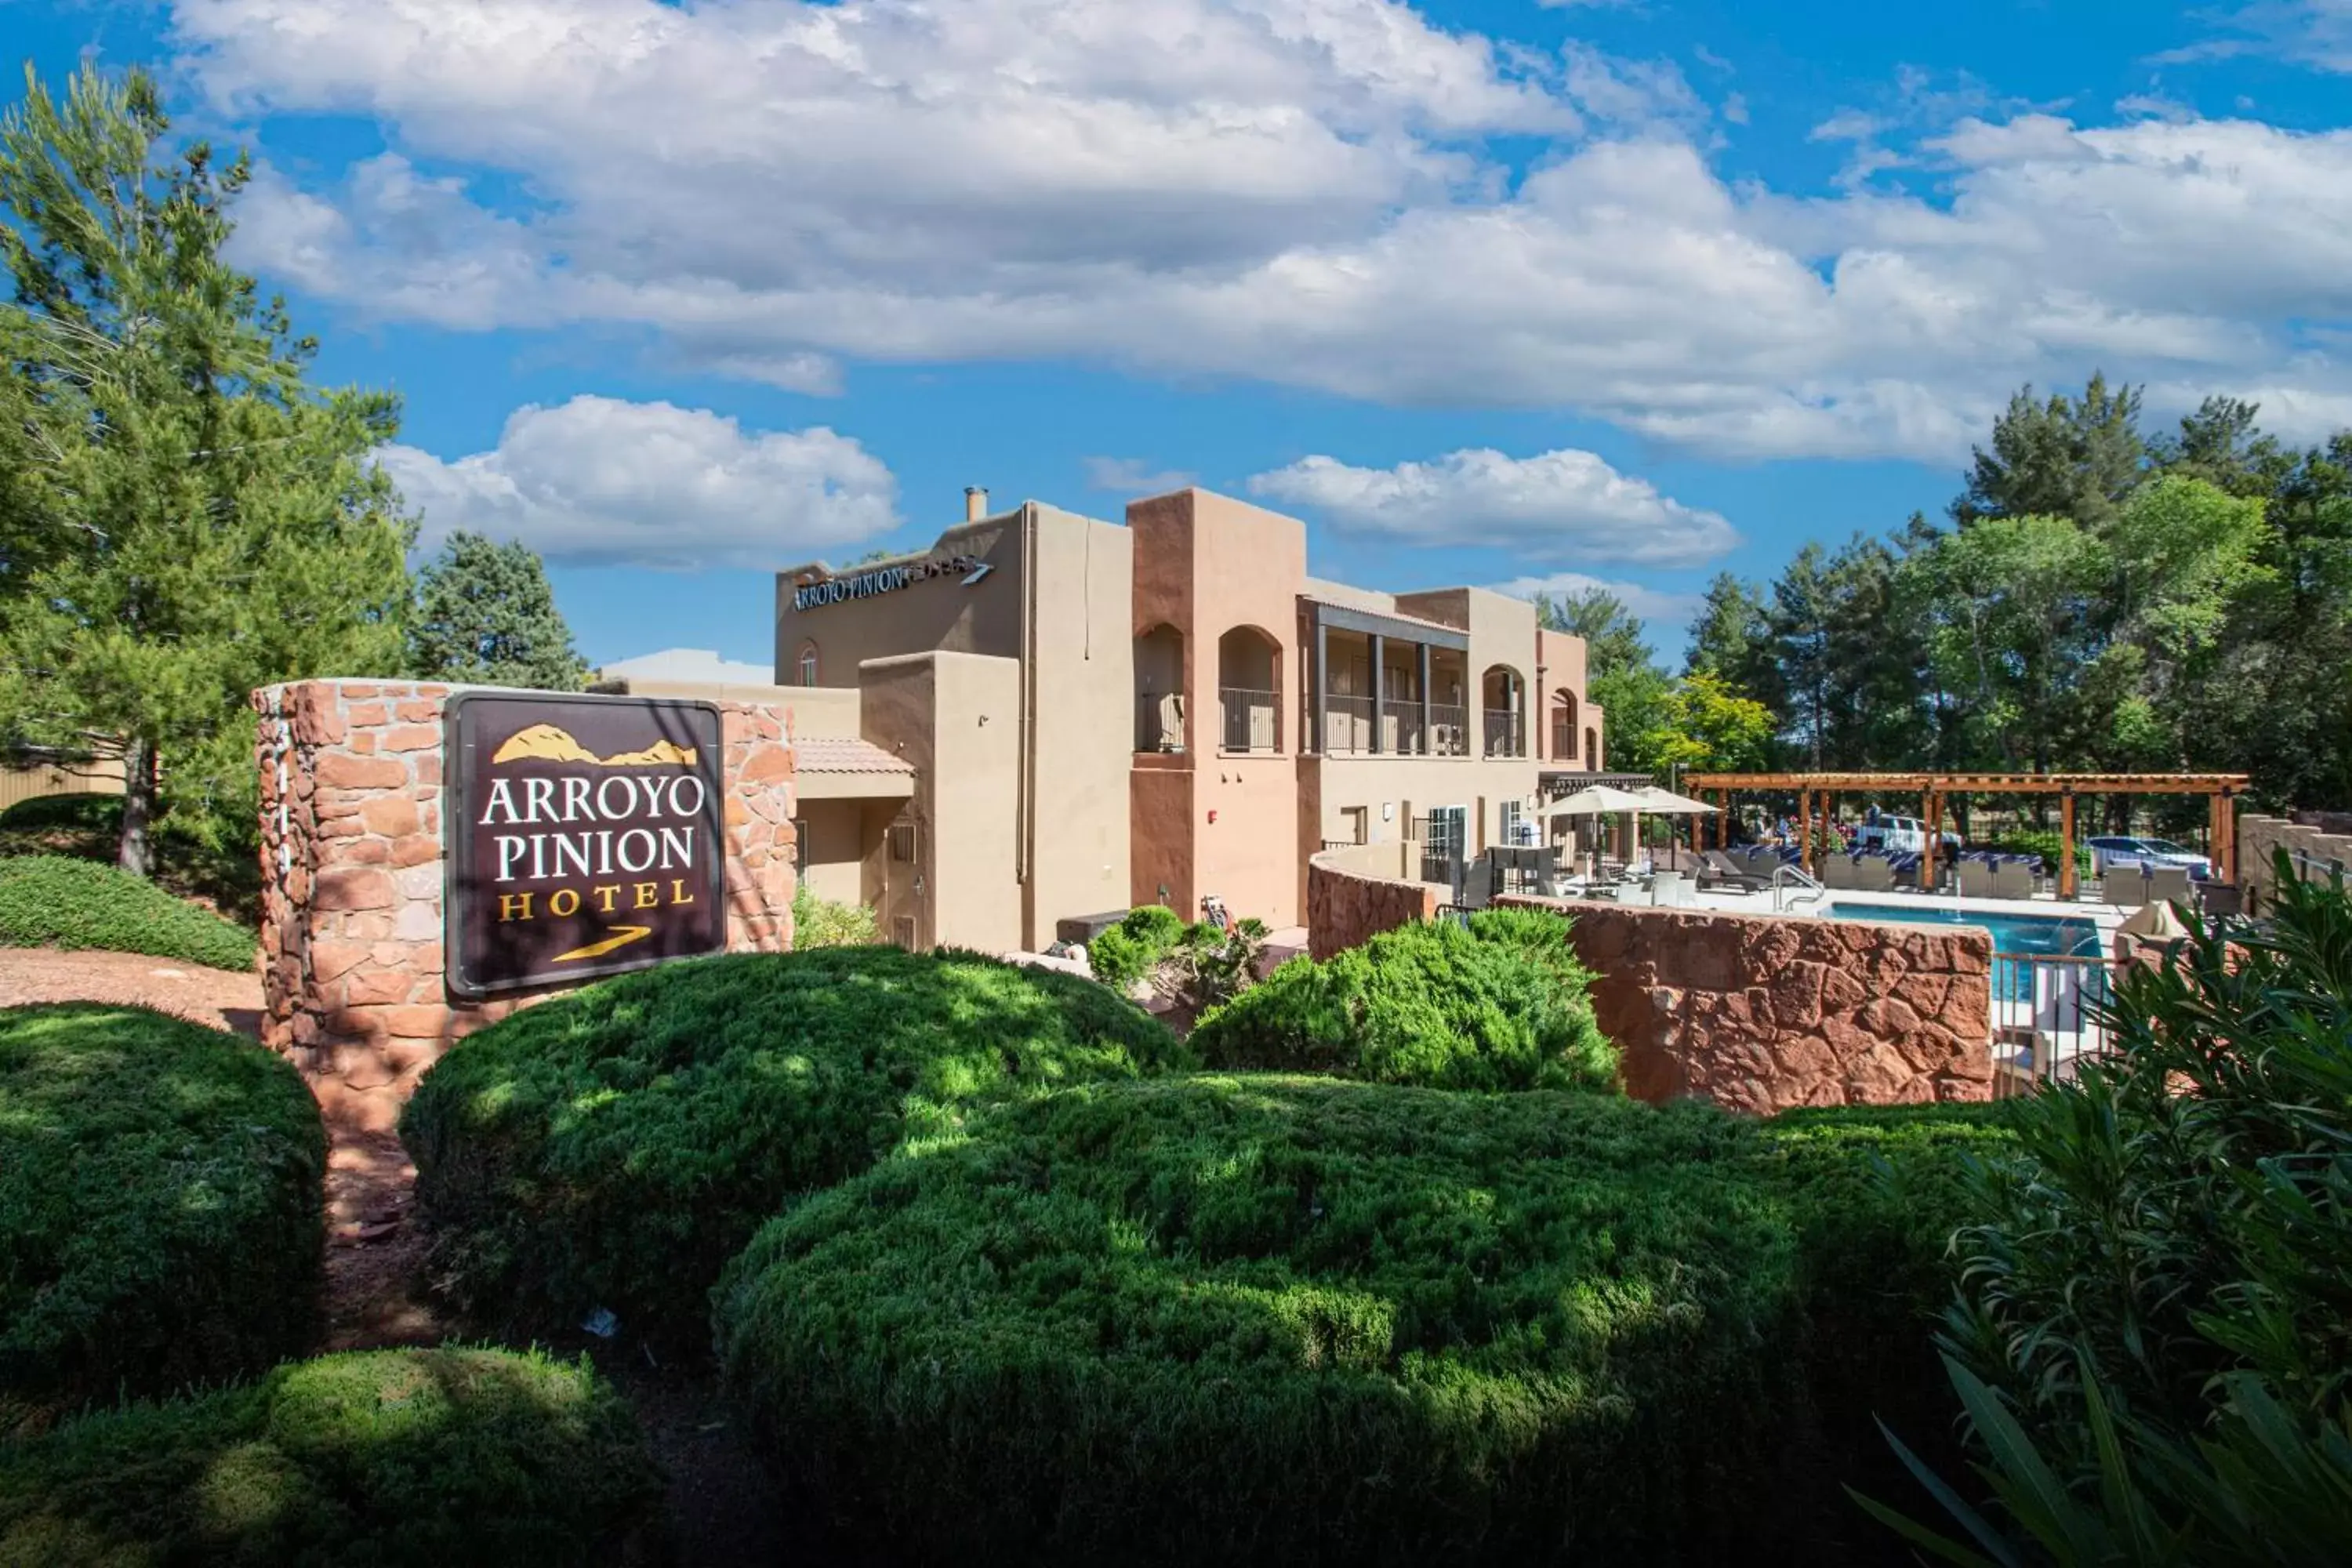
x=621 y=936
x=548 y=743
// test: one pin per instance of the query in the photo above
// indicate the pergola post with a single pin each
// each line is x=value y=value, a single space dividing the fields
x=1933 y=841
x=1805 y=831
x=2066 y=845
x=2229 y=845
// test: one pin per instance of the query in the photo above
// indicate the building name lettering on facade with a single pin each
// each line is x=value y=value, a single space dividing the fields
x=887 y=580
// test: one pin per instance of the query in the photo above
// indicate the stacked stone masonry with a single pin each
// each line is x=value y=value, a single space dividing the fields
x=2318 y=841
x=351 y=783
x=1756 y=1012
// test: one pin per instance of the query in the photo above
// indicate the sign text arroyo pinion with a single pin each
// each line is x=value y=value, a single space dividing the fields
x=888 y=579
x=584 y=836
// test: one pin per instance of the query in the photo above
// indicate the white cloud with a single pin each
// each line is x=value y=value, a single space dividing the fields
x=702 y=665
x=1561 y=504
x=2314 y=33
x=602 y=482
x=1296 y=191
x=1132 y=477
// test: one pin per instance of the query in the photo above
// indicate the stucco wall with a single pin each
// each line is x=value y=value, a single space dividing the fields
x=956 y=717
x=352 y=870
x=1083 y=715
x=940 y=613
x=2260 y=837
x=832 y=849
x=1755 y=1013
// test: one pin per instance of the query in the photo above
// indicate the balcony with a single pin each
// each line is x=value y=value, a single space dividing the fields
x=1252 y=720
x=1160 y=721
x=1401 y=733
x=1506 y=736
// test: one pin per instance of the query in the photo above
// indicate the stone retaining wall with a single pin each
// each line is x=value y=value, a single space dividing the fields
x=1763 y=1013
x=1348 y=903
x=1756 y=1012
x=352 y=869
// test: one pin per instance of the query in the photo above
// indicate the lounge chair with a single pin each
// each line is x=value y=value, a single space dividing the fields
x=2125 y=888
x=2170 y=885
x=1719 y=869
x=2012 y=880
x=1977 y=879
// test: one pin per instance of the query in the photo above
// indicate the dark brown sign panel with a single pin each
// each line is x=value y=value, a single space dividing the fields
x=584 y=836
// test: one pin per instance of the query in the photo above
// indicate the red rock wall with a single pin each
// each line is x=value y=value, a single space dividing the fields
x=1760 y=1012
x=1756 y=1012
x=1346 y=908
x=351 y=872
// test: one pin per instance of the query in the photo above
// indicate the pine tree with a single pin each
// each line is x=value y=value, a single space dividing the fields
x=486 y=614
x=186 y=519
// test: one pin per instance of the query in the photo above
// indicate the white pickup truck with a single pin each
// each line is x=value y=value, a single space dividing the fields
x=1901 y=836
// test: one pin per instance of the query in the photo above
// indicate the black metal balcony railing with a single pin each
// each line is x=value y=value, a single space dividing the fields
x=1449 y=730
x=1252 y=718
x=1505 y=737
x=1160 y=721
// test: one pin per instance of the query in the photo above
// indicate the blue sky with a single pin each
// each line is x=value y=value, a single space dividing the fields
x=1504 y=292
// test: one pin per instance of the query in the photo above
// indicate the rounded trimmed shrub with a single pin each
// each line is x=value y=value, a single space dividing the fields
x=1874 y=1197
x=613 y=1148
x=1125 y=952
x=160 y=1206
x=51 y=900
x=1282 y=1318
x=1501 y=1005
x=429 y=1457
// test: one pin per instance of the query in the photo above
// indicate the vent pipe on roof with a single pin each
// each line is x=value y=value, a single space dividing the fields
x=976 y=503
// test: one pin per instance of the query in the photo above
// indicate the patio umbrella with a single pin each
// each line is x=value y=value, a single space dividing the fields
x=1596 y=800
x=1667 y=803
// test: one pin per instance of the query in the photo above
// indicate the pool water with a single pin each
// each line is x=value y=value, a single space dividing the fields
x=2022 y=934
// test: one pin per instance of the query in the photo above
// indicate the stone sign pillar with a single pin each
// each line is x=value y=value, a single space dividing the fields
x=354 y=784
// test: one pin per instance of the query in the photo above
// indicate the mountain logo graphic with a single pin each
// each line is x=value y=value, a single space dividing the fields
x=548 y=743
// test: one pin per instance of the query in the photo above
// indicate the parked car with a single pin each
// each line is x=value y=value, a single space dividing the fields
x=2118 y=850
x=1901 y=836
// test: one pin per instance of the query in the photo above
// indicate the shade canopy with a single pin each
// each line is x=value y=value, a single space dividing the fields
x=1596 y=800
x=1659 y=802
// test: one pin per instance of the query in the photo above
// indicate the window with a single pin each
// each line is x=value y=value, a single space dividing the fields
x=1511 y=823
x=902 y=842
x=808 y=664
x=800 y=852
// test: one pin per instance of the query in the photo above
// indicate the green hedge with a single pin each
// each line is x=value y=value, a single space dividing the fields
x=614 y=1147
x=1874 y=1195
x=160 y=1206
x=1501 y=1005
x=50 y=901
x=428 y=1458
x=1130 y=949
x=1263 y=1318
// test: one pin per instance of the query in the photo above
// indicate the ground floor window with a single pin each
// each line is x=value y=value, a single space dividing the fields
x=800 y=851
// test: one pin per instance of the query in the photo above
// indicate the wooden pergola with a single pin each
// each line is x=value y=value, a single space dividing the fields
x=2220 y=790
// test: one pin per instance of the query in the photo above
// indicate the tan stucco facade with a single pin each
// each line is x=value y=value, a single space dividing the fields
x=1100 y=715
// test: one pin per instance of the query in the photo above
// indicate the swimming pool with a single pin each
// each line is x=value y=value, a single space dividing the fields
x=2054 y=935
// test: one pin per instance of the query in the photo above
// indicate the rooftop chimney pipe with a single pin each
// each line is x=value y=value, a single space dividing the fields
x=976 y=503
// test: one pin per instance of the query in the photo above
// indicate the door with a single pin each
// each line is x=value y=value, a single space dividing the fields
x=1448 y=832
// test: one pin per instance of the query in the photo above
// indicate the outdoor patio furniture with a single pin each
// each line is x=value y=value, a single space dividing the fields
x=2126 y=889
x=1874 y=874
x=2223 y=897
x=1672 y=889
x=1477 y=884
x=2170 y=885
x=2012 y=880
x=1977 y=879
x=1719 y=869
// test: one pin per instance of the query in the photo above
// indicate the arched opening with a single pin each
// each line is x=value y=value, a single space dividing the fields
x=1592 y=751
x=1249 y=688
x=807 y=664
x=1563 y=725
x=1502 y=698
x=1160 y=689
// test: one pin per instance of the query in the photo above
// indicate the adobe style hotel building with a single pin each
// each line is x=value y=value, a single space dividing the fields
x=1045 y=716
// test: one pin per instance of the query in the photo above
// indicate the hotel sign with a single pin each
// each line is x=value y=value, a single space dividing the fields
x=889 y=580
x=584 y=836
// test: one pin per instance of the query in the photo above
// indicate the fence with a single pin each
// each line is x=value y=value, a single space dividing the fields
x=2045 y=1017
x=1253 y=721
